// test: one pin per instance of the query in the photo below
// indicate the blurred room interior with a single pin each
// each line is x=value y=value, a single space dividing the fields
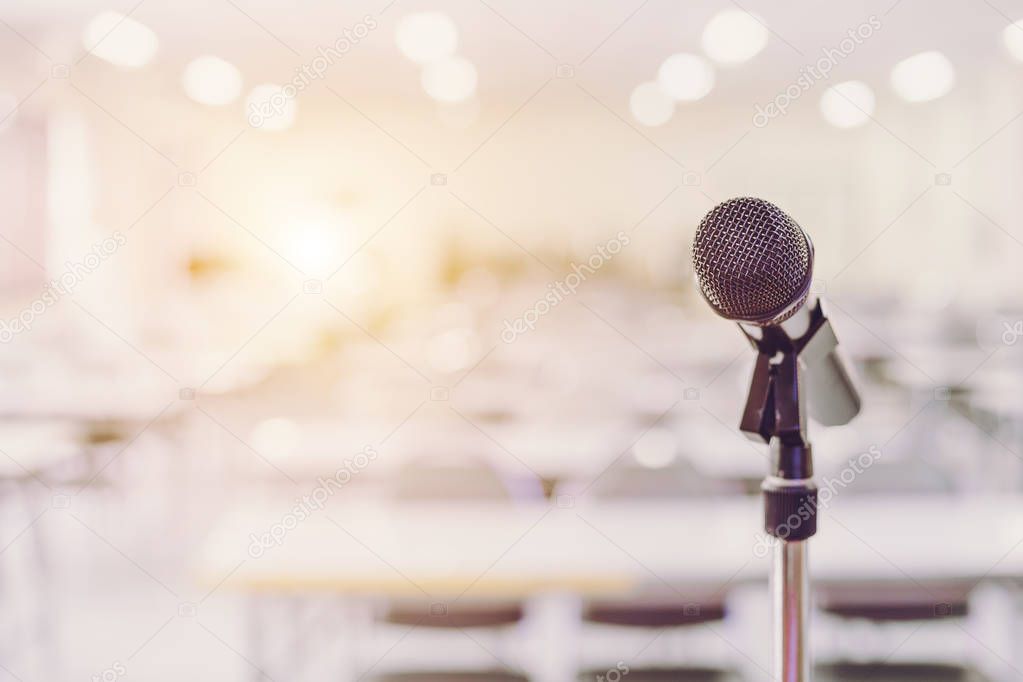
x=359 y=341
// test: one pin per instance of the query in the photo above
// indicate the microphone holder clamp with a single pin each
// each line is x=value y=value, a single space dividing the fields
x=775 y=413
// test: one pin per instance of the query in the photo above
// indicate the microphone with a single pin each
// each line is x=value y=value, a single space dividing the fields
x=754 y=265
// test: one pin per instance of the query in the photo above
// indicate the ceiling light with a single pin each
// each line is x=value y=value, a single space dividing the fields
x=650 y=105
x=212 y=81
x=452 y=79
x=1012 y=36
x=733 y=36
x=426 y=36
x=923 y=77
x=686 y=77
x=120 y=40
x=848 y=104
x=315 y=239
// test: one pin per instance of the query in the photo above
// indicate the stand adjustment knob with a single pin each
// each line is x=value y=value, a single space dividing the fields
x=790 y=511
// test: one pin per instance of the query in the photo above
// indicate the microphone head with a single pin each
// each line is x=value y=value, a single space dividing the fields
x=753 y=263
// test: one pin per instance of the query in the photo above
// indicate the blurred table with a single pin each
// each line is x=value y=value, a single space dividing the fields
x=554 y=557
x=27 y=448
x=88 y=399
x=613 y=548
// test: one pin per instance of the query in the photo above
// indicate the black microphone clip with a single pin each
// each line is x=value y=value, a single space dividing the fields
x=775 y=413
x=776 y=404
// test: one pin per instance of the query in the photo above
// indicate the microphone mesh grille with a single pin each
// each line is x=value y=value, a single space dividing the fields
x=752 y=261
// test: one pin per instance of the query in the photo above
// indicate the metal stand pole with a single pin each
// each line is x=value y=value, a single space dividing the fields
x=790 y=592
x=791 y=518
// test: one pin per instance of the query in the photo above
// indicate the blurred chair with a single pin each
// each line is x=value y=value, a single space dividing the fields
x=667 y=632
x=614 y=630
x=896 y=672
x=34 y=455
x=631 y=480
x=450 y=643
x=443 y=629
x=448 y=479
x=451 y=676
x=653 y=614
x=496 y=614
x=861 y=622
x=997 y=409
x=907 y=476
x=898 y=601
x=666 y=675
x=943 y=431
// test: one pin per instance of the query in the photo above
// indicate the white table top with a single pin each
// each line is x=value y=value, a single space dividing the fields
x=92 y=401
x=611 y=549
x=27 y=448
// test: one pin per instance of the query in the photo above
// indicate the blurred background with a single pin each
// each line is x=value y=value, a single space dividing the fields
x=359 y=341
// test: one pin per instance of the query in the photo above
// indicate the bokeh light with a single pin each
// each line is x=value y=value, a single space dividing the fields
x=923 y=77
x=1012 y=36
x=734 y=36
x=452 y=79
x=425 y=37
x=120 y=40
x=686 y=77
x=211 y=80
x=848 y=104
x=650 y=105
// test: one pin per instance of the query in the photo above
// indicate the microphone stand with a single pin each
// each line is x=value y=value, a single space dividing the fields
x=775 y=413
